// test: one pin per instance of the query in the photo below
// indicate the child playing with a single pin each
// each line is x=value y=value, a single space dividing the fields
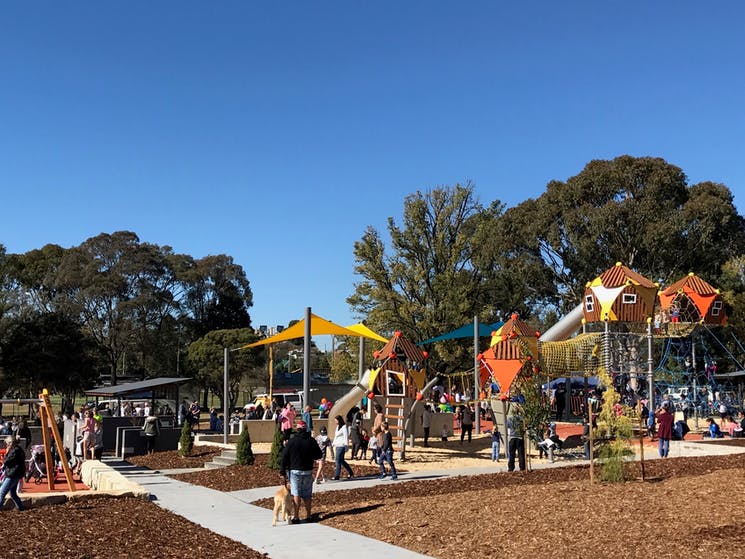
x=372 y=444
x=386 y=453
x=444 y=433
x=324 y=443
x=364 y=443
x=496 y=438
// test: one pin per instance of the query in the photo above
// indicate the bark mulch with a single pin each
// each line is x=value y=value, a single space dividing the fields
x=687 y=507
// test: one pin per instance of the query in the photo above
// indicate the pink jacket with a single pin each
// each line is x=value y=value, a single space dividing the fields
x=288 y=418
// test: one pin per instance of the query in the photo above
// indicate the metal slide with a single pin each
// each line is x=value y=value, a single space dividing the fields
x=565 y=327
x=348 y=401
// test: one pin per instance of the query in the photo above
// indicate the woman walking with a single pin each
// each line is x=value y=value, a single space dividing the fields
x=151 y=428
x=341 y=443
x=15 y=468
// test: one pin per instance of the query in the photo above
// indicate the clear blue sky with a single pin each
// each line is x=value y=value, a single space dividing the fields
x=275 y=132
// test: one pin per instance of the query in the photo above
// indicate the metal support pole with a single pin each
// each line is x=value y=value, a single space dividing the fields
x=693 y=372
x=225 y=404
x=650 y=365
x=361 y=360
x=476 y=376
x=306 y=361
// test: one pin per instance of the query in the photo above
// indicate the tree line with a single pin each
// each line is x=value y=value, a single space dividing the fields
x=115 y=306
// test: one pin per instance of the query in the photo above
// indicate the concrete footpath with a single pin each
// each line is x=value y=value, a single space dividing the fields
x=232 y=515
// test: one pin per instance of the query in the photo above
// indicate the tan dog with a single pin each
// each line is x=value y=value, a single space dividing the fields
x=283 y=503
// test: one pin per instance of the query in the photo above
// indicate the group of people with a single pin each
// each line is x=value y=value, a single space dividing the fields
x=302 y=452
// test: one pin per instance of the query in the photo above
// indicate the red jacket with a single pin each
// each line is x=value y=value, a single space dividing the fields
x=665 y=424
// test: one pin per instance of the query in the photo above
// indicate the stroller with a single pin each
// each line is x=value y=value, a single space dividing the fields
x=36 y=466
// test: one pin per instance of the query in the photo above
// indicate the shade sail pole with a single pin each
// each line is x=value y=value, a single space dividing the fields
x=225 y=396
x=361 y=360
x=476 y=376
x=306 y=361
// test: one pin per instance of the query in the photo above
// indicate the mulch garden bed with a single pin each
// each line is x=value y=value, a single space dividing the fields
x=687 y=507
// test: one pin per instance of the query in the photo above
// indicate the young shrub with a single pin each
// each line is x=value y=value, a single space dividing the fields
x=185 y=443
x=617 y=430
x=244 y=453
x=275 y=456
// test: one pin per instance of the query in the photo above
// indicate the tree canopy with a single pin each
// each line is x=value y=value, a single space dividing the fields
x=452 y=258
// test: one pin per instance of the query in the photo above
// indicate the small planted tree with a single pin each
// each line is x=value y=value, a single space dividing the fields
x=616 y=430
x=185 y=442
x=275 y=456
x=244 y=453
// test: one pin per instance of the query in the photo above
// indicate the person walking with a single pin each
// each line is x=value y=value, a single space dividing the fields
x=298 y=458
x=324 y=443
x=308 y=418
x=466 y=422
x=341 y=443
x=664 y=429
x=516 y=444
x=151 y=429
x=426 y=423
x=386 y=452
x=14 y=468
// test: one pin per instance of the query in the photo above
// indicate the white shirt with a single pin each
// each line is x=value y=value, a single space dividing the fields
x=341 y=436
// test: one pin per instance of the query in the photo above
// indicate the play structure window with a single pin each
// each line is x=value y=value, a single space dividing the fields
x=396 y=383
x=716 y=308
x=589 y=303
x=629 y=298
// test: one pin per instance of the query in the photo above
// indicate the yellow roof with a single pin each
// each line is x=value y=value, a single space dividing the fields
x=318 y=327
x=364 y=331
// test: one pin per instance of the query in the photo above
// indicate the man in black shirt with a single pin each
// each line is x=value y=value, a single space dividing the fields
x=298 y=458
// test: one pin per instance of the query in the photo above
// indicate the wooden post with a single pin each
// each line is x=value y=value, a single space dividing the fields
x=48 y=461
x=46 y=405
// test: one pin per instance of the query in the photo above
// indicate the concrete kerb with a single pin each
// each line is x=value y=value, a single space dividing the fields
x=102 y=479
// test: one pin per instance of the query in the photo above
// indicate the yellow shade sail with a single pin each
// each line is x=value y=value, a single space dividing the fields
x=318 y=327
x=364 y=331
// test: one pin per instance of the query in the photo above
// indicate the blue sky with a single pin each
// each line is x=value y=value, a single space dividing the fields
x=276 y=132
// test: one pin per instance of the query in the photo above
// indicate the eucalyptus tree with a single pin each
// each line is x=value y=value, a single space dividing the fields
x=640 y=211
x=437 y=275
x=206 y=359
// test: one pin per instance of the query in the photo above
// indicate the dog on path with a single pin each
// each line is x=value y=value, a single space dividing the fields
x=282 y=505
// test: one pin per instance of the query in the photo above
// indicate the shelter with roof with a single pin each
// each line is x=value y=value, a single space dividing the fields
x=619 y=295
x=513 y=346
x=693 y=299
x=160 y=388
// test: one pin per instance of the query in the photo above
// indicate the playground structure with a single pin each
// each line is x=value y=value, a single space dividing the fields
x=625 y=321
x=397 y=381
x=48 y=426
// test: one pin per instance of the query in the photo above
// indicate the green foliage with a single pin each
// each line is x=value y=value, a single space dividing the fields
x=636 y=210
x=244 y=453
x=275 y=455
x=207 y=354
x=533 y=406
x=185 y=443
x=429 y=283
x=616 y=431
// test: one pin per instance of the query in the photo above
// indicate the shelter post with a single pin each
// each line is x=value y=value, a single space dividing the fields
x=476 y=383
x=225 y=403
x=693 y=372
x=306 y=361
x=650 y=365
x=361 y=364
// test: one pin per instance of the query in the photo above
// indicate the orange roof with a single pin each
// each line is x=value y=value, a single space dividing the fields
x=692 y=283
x=619 y=274
x=401 y=346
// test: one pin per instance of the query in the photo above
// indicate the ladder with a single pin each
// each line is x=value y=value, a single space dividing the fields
x=395 y=416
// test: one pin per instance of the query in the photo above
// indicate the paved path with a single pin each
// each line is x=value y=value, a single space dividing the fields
x=231 y=514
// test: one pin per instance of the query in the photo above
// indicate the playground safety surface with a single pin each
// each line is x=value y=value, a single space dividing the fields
x=688 y=506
